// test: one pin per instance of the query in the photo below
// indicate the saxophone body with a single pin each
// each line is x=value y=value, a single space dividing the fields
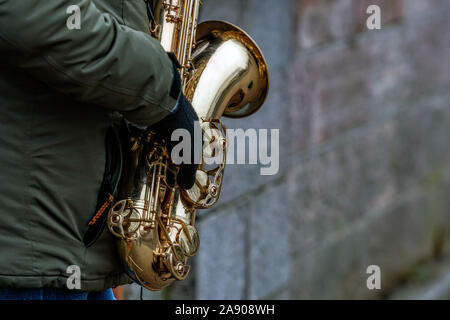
x=223 y=73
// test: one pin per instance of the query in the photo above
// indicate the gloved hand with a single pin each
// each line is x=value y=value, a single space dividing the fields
x=182 y=117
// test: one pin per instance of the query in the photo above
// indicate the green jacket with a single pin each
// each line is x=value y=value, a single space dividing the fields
x=60 y=90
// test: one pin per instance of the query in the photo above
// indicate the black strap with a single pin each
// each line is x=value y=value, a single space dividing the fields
x=175 y=88
x=108 y=188
x=150 y=14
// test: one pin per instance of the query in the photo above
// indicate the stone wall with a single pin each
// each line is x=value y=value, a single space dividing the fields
x=364 y=119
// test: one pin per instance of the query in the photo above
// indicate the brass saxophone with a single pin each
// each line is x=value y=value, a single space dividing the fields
x=223 y=73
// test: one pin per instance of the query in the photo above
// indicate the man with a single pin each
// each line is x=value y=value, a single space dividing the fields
x=60 y=89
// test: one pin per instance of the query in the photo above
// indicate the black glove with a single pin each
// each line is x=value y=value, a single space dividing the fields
x=183 y=117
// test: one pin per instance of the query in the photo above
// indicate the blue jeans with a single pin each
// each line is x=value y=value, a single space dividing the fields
x=54 y=294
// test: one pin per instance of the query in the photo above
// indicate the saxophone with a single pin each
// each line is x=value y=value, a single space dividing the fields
x=223 y=73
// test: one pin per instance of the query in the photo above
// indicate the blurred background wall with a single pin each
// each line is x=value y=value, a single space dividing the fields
x=364 y=119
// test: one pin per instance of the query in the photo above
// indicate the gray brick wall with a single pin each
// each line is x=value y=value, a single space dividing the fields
x=364 y=121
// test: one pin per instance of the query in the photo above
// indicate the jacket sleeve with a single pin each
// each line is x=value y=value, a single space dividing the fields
x=102 y=63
